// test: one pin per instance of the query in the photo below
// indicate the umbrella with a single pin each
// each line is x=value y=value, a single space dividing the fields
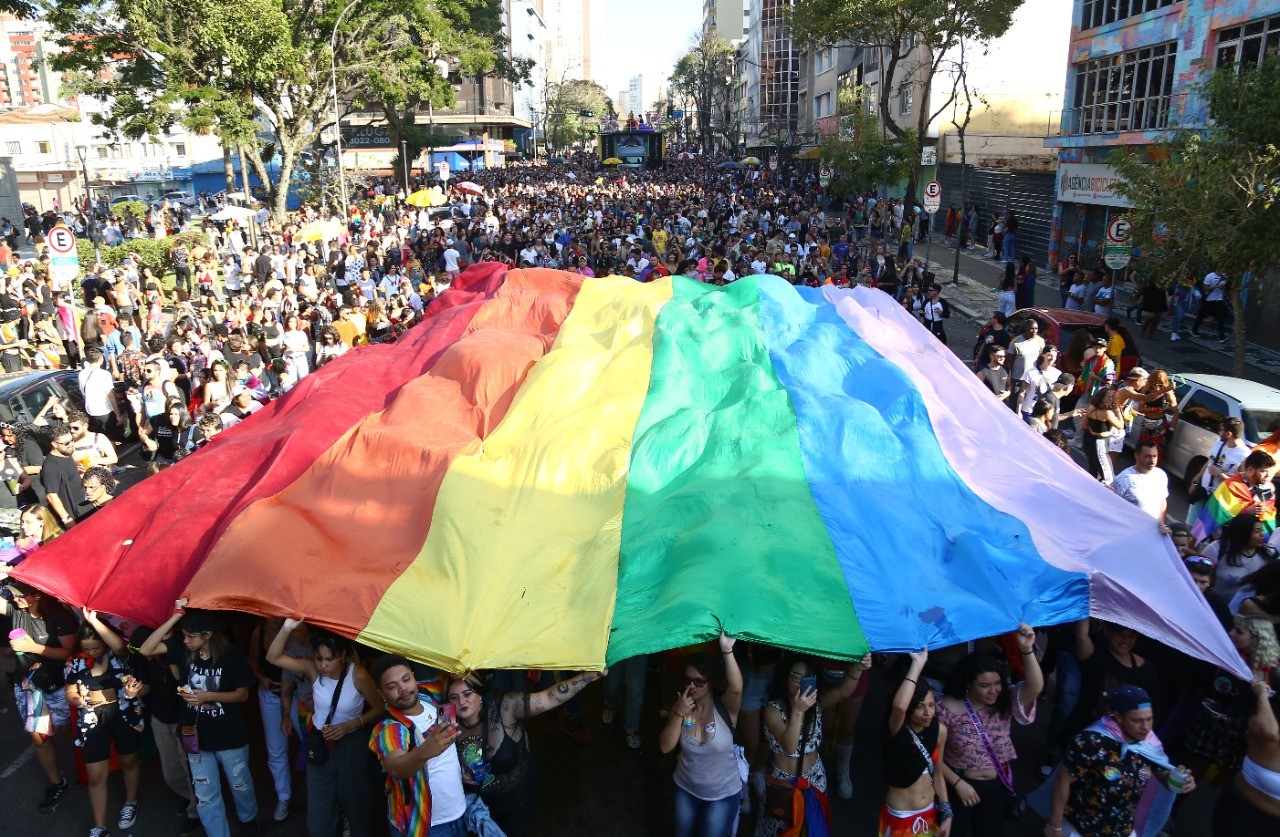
x=233 y=213
x=731 y=166
x=468 y=186
x=686 y=155
x=319 y=231
x=427 y=197
x=612 y=161
x=750 y=161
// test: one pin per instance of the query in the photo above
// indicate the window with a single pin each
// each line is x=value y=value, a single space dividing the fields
x=909 y=41
x=1130 y=91
x=103 y=151
x=822 y=106
x=873 y=97
x=180 y=149
x=905 y=96
x=43 y=146
x=1101 y=12
x=1205 y=410
x=13 y=147
x=1248 y=45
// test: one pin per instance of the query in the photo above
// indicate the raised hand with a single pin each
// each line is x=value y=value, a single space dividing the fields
x=1026 y=639
x=726 y=643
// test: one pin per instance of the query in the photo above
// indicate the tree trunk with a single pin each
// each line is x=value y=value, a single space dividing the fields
x=228 y=170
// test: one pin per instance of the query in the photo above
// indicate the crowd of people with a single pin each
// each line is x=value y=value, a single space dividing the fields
x=253 y=309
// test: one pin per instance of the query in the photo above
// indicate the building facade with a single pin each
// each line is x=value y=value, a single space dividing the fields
x=1131 y=70
x=571 y=27
x=727 y=18
x=770 y=68
x=25 y=78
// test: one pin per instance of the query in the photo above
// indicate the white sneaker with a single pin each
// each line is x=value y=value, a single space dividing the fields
x=844 y=782
x=282 y=811
x=1174 y=336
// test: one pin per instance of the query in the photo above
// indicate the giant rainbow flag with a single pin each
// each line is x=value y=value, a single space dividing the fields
x=559 y=472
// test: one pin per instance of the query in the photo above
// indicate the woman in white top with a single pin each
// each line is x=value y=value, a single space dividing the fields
x=297 y=345
x=341 y=780
x=1241 y=551
x=1038 y=380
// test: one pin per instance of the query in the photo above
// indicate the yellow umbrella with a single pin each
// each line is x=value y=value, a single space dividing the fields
x=613 y=161
x=750 y=161
x=319 y=231
x=421 y=198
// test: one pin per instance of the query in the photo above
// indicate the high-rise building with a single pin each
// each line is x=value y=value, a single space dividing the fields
x=570 y=36
x=772 y=74
x=25 y=78
x=635 y=94
x=622 y=103
x=728 y=18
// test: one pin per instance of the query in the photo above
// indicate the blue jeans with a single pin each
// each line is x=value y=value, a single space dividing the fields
x=208 y=785
x=698 y=818
x=633 y=670
x=444 y=829
x=1010 y=245
x=277 y=744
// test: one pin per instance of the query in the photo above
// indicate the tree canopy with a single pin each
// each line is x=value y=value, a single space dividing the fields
x=915 y=39
x=257 y=72
x=1208 y=197
x=704 y=74
x=574 y=110
x=861 y=154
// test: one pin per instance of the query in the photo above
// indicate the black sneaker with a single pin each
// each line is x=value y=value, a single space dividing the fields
x=52 y=793
x=128 y=816
x=99 y=832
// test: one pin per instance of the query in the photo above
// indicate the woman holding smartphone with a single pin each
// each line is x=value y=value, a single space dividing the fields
x=340 y=783
x=794 y=732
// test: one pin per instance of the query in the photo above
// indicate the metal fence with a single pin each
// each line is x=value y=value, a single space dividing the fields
x=1029 y=194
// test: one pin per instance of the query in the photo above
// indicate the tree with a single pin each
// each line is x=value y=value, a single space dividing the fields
x=256 y=72
x=575 y=108
x=704 y=75
x=895 y=27
x=1209 y=198
x=861 y=155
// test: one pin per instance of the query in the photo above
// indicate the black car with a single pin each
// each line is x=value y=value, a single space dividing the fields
x=24 y=394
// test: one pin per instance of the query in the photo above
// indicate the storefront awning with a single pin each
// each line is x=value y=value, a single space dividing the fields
x=813 y=152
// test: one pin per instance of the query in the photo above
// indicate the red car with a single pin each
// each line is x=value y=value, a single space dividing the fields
x=1071 y=332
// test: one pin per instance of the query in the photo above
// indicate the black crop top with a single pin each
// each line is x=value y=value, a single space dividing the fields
x=903 y=761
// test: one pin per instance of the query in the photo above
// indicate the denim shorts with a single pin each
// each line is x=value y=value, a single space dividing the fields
x=755 y=688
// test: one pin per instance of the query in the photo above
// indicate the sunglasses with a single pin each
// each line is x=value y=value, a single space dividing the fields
x=697 y=682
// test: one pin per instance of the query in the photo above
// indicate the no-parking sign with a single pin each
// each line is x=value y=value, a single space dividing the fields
x=932 y=196
x=64 y=262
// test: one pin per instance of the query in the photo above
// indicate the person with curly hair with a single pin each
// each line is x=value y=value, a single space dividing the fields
x=99 y=488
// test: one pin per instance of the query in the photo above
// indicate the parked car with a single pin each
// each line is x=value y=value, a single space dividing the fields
x=1071 y=332
x=1203 y=402
x=126 y=199
x=180 y=198
x=24 y=394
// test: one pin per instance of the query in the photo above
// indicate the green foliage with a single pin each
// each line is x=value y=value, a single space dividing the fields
x=153 y=253
x=129 y=209
x=249 y=69
x=565 y=122
x=862 y=155
x=1210 y=199
x=704 y=74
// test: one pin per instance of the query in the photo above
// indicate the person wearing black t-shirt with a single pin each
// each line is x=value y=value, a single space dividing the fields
x=60 y=478
x=214 y=679
x=47 y=641
x=165 y=707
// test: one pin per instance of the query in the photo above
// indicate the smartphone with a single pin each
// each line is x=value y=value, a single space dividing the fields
x=808 y=683
x=449 y=714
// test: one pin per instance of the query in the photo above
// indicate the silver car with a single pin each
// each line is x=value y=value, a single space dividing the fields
x=1203 y=402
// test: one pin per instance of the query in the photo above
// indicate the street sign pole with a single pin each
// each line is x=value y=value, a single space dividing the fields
x=932 y=200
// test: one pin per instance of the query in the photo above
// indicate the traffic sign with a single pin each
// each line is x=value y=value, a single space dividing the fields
x=932 y=196
x=61 y=241
x=824 y=175
x=442 y=168
x=773 y=162
x=1118 y=250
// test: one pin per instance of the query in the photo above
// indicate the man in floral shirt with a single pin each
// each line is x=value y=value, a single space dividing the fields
x=1106 y=771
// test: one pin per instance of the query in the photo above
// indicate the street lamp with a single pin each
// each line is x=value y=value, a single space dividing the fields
x=337 y=114
x=83 y=152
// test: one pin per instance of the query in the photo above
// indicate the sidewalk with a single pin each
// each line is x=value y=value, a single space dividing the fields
x=975 y=297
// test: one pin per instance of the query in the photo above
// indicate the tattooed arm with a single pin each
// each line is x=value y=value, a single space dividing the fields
x=517 y=706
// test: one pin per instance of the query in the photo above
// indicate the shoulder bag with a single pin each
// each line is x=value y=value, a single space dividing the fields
x=317 y=746
x=1016 y=804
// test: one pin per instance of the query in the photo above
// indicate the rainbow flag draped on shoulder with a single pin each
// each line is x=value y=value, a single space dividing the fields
x=1231 y=498
x=560 y=472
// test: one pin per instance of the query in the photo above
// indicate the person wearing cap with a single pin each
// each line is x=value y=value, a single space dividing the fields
x=43 y=638
x=214 y=679
x=241 y=407
x=1107 y=769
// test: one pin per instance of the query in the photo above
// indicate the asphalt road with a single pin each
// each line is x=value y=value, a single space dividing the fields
x=601 y=788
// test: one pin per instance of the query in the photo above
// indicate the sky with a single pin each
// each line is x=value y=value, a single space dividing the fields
x=641 y=37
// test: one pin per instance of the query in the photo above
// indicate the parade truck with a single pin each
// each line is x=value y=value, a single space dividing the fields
x=636 y=149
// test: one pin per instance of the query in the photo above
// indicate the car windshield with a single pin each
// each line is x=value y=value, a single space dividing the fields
x=1259 y=423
